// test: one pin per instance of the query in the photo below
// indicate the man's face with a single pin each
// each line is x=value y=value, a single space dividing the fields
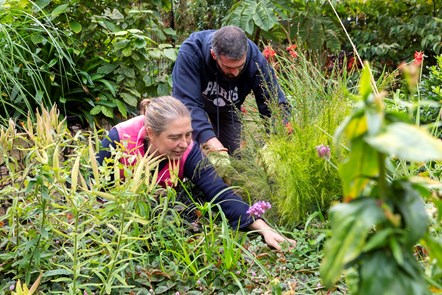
x=231 y=68
x=174 y=140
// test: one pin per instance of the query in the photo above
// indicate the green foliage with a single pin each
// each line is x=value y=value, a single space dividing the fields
x=93 y=59
x=383 y=217
x=122 y=51
x=284 y=167
x=388 y=33
x=190 y=16
x=137 y=240
x=37 y=69
x=294 y=21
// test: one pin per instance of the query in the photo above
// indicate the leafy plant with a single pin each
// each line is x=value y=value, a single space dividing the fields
x=90 y=232
x=283 y=166
x=36 y=65
x=122 y=51
x=382 y=218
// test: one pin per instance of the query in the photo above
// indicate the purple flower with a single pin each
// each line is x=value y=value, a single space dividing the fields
x=259 y=208
x=323 y=151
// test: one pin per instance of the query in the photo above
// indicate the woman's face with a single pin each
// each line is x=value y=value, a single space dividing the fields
x=173 y=141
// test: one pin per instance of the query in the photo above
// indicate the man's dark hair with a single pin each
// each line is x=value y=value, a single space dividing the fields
x=230 y=41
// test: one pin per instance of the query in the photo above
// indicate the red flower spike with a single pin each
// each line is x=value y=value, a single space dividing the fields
x=418 y=57
x=268 y=52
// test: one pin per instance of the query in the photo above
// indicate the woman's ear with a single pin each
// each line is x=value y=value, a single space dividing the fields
x=149 y=133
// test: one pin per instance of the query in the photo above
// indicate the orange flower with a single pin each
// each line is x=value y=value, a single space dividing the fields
x=268 y=52
x=418 y=57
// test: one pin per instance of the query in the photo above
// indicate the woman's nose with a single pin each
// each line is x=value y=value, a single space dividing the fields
x=183 y=142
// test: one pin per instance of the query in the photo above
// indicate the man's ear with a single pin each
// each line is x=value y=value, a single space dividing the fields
x=213 y=54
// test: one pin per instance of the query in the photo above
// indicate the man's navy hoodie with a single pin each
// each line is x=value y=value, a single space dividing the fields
x=203 y=88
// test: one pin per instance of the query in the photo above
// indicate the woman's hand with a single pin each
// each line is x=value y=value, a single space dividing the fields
x=271 y=237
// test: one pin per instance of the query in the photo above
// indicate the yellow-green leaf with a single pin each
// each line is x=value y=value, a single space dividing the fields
x=407 y=142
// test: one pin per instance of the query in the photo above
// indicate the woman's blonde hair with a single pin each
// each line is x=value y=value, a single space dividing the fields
x=160 y=111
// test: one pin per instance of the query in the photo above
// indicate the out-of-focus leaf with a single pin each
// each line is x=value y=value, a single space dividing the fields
x=59 y=10
x=412 y=209
x=350 y=225
x=380 y=274
x=365 y=83
x=75 y=27
x=407 y=142
x=359 y=169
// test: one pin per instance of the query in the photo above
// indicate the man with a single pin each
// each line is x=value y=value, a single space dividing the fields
x=213 y=74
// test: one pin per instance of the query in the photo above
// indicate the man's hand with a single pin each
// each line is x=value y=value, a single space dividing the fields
x=214 y=144
x=217 y=156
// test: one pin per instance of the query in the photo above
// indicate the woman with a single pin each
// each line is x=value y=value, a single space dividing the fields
x=165 y=130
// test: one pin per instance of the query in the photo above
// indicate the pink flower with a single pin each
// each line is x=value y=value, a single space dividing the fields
x=323 y=151
x=418 y=57
x=259 y=208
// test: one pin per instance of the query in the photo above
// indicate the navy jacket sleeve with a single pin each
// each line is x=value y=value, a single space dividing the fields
x=186 y=72
x=107 y=142
x=203 y=175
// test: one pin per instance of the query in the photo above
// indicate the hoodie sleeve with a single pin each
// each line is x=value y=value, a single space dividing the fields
x=186 y=73
x=203 y=175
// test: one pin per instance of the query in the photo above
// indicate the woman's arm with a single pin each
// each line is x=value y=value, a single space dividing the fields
x=107 y=142
x=232 y=204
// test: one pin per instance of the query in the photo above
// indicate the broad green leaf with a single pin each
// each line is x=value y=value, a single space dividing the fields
x=140 y=43
x=379 y=239
x=352 y=127
x=434 y=246
x=163 y=89
x=397 y=251
x=155 y=53
x=121 y=44
x=170 y=53
x=128 y=72
x=95 y=110
x=110 y=26
x=264 y=17
x=121 y=33
x=75 y=27
x=163 y=46
x=108 y=112
x=129 y=99
x=350 y=226
x=365 y=83
x=380 y=274
x=169 y=31
x=108 y=86
x=121 y=107
x=107 y=68
x=248 y=26
x=407 y=142
x=127 y=51
x=375 y=121
x=412 y=208
x=59 y=10
x=360 y=168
